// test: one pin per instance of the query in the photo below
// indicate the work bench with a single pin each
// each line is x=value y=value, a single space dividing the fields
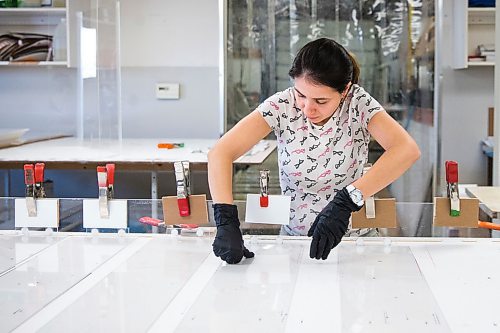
x=89 y=282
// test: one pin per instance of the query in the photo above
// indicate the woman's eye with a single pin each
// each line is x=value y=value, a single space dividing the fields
x=321 y=103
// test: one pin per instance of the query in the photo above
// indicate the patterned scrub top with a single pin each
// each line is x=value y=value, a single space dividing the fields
x=317 y=161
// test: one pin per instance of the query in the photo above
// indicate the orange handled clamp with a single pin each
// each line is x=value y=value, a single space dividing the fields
x=488 y=225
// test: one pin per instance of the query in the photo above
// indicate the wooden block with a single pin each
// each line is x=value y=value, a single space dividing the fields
x=197 y=207
x=385 y=215
x=469 y=213
x=47 y=214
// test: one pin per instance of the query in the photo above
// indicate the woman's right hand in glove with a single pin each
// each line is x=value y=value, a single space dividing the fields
x=228 y=243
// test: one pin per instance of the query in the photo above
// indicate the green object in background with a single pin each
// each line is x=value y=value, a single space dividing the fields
x=9 y=3
x=455 y=212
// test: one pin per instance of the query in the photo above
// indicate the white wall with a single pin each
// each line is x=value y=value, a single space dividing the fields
x=170 y=33
x=466 y=96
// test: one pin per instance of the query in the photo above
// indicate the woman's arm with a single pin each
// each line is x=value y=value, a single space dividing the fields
x=401 y=151
x=243 y=136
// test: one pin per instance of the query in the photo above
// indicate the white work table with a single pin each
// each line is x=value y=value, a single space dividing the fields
x=162 y=283
x=490 y=197
x=127 y=154
x=72 y=153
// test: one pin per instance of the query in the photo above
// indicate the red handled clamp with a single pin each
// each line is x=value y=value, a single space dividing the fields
x=102 y=182
x=183 y=187
x=105 y=181
x=452 y=187
x=29 y=180
x=110 y=172
x=39 y=179
x=264 y=188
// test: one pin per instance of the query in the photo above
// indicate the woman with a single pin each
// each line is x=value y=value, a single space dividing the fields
x=323 y=126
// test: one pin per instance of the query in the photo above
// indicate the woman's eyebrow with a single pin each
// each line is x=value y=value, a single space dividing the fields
x=317 y=98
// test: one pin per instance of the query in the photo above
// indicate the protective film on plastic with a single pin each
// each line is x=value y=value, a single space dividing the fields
x=132 y=297
x=383 y=289
x=14 y=249
x=33 y=284
x=464 y=277
x=251 y=297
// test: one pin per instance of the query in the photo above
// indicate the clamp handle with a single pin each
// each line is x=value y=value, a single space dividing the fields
x=110 y=169
x=451 y=171
x=39 y=172
x=29 y=174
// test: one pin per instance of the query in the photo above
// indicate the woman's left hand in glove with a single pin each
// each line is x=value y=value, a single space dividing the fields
x=331 y=225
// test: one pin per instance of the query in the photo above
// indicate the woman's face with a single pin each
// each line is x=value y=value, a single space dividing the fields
x=317 y=102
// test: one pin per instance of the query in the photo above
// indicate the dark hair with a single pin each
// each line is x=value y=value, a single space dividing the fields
x=326 y=62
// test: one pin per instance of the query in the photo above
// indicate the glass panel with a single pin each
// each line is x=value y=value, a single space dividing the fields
x=393 y=42
x=99 y=98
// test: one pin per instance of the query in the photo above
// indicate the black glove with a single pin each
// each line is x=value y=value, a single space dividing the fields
x=331 y=225
x=228 y=243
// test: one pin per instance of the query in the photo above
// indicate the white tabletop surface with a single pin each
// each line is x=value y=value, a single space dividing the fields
x=489 y=195
x=134 y=283
x=72 y=150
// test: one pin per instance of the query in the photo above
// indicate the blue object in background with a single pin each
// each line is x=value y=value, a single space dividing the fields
x=481 y=3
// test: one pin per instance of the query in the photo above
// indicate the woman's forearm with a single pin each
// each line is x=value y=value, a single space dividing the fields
x=390 y=166
x=220 y=177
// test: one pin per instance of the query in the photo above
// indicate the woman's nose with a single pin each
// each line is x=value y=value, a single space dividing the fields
x=307 y=106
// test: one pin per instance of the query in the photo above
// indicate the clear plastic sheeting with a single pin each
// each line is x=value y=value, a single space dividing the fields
x=414 y=219
x=132 y=296
x=252 y=297
x=382 y=289
x=99 y=72
x=174 y=283
x=15 y=249
x=43 y=277
x=393 y=42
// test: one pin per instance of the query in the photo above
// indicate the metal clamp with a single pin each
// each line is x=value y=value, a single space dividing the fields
x=33 y=179
x=39 y=179
x=370 y=201
x=182 y=177
x=29 y=180
x=264 y=188
x=110 y=179
x=102 y=181
x=452 y=187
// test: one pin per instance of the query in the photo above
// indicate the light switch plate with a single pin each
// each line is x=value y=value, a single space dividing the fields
x=167 y=90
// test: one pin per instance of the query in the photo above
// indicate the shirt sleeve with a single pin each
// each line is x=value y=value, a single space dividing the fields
x=367 y=106
x=275 y=108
